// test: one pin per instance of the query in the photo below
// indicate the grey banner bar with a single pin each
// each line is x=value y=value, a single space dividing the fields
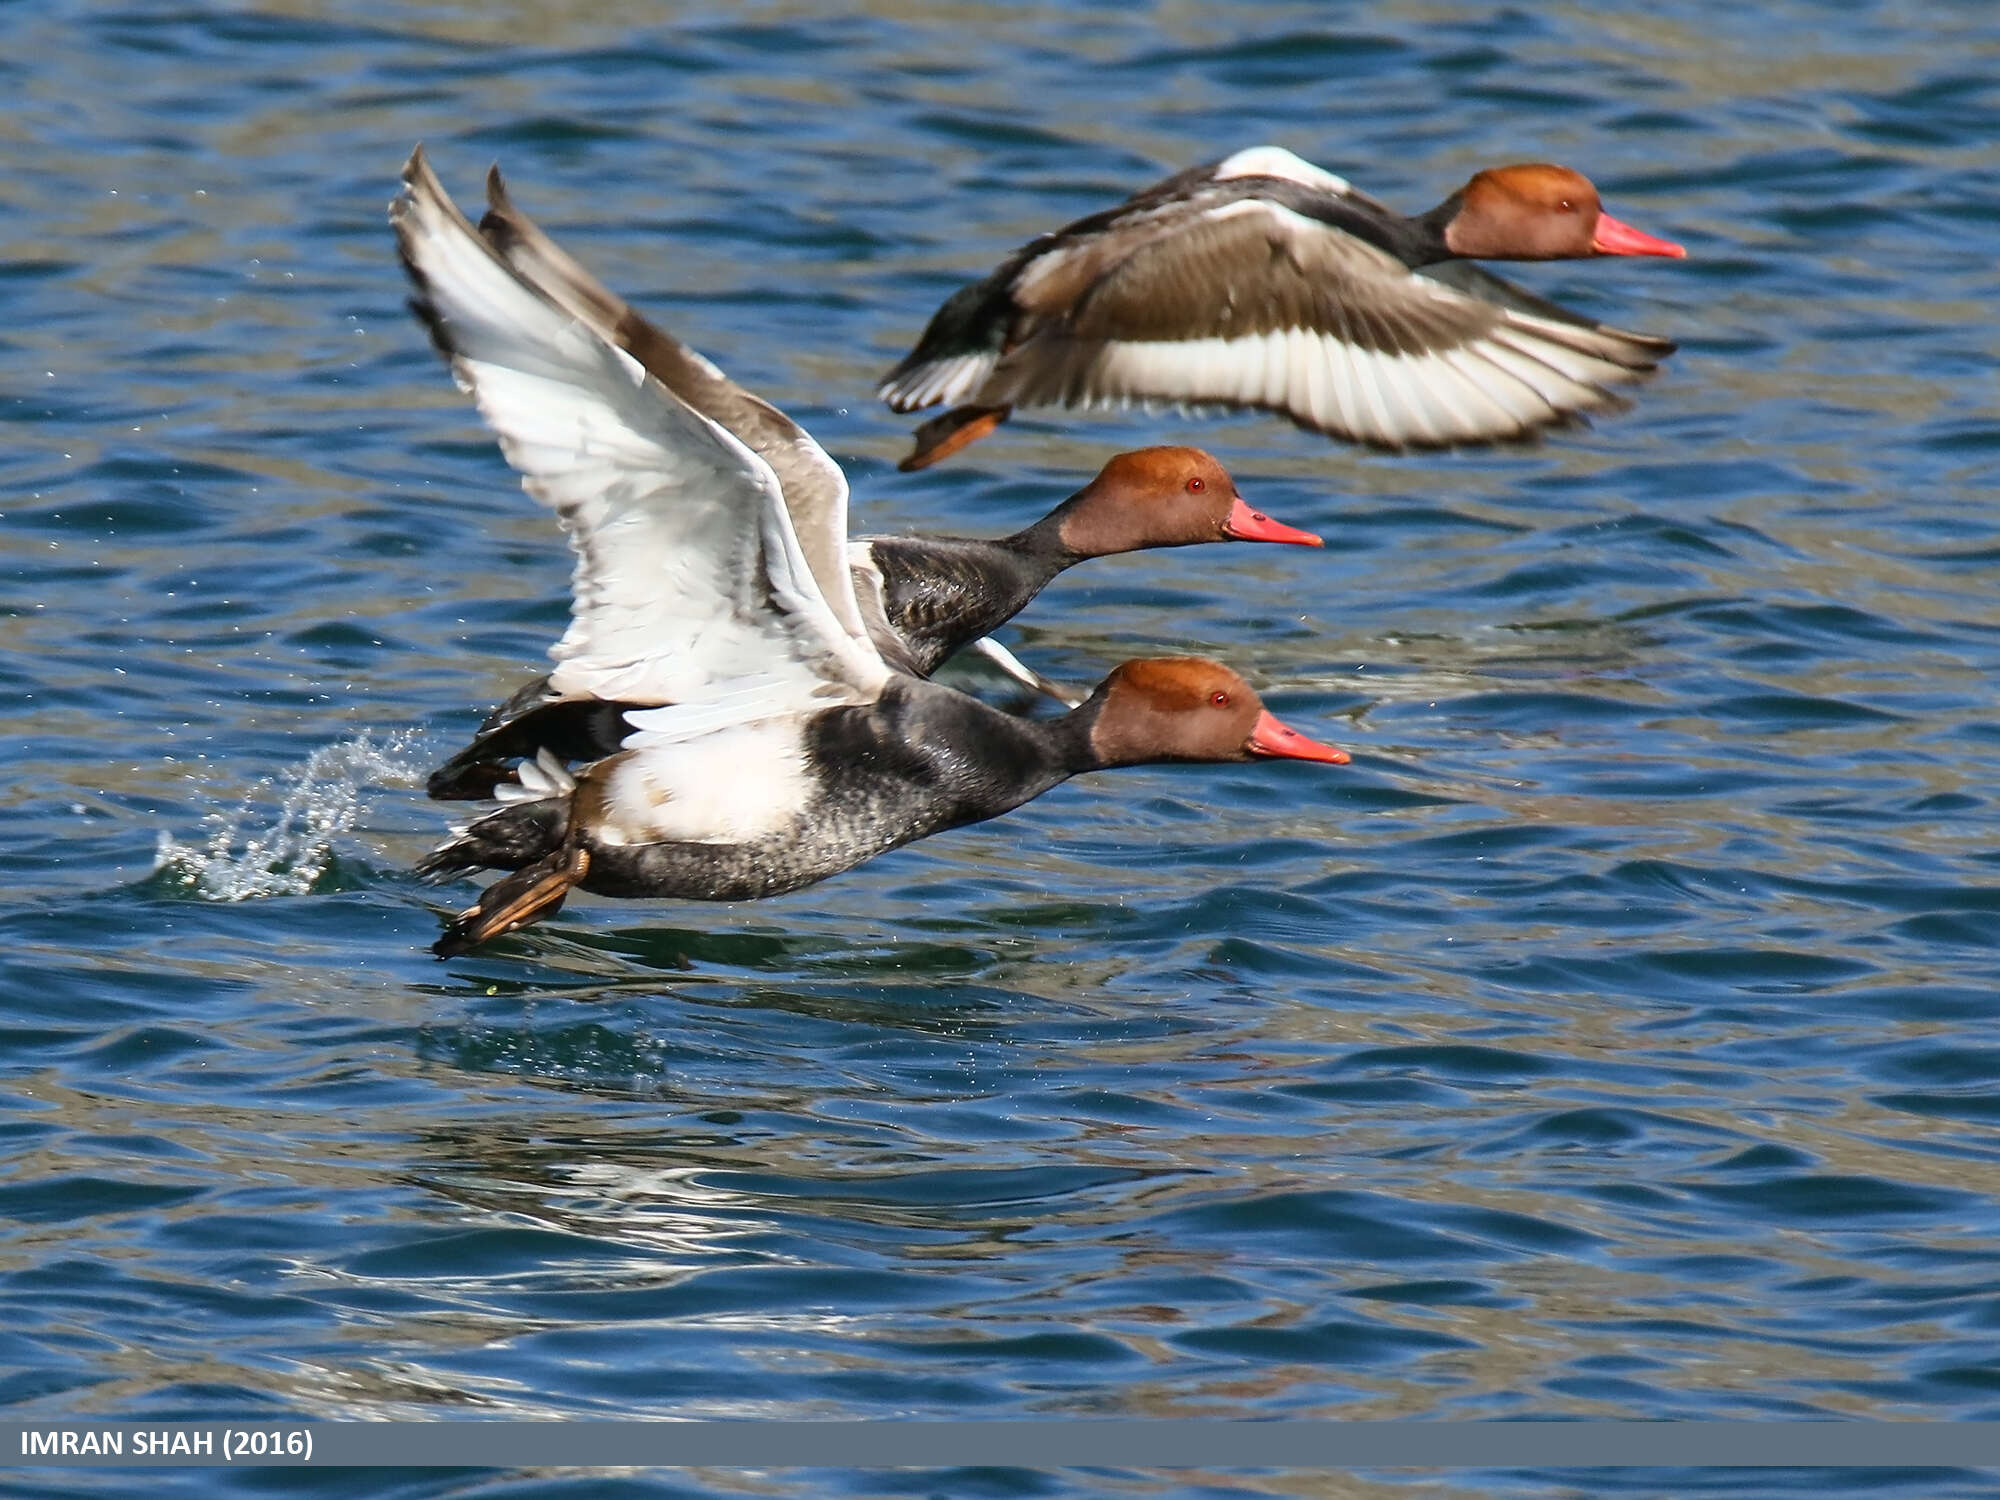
x=1056 y=1443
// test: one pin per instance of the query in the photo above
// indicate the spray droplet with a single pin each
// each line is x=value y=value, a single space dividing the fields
x=318 y=803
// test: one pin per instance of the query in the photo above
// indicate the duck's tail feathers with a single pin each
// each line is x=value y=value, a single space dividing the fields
x=962 y=343
x=919 y=381
x=509 y=904
x=541 y=776
x=569 y=729
x=513 y=838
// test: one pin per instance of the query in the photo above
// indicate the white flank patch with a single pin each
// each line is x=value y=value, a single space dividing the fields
x=1276 y=161
x=727 y=787
x=867 y=576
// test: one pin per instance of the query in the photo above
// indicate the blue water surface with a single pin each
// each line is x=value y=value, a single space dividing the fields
x=1614 y=1038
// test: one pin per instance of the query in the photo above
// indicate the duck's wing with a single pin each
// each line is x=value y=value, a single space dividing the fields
x=691 y=586
x=972 y=331
x=1012 y=666
x=815 y=490
x=968 y=334
x=1252 y=302
x=1476 y=281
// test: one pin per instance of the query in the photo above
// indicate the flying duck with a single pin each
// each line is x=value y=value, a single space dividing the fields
x=785 y=748
x=1266 y=282
x=922 y=598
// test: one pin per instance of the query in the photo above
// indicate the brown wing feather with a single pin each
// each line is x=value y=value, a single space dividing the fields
x=1258 y=269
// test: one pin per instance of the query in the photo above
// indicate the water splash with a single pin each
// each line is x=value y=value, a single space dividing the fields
x=318 y=803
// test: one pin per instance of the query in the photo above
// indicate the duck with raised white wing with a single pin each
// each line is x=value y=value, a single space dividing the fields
x=788 y=750
x=922 y=598
x=1262 y=281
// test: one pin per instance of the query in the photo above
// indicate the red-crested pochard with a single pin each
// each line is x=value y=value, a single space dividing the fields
x=922 y=598
x=1263 y=281
x=787 y=749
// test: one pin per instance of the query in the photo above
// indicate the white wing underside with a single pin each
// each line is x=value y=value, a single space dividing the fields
x=690 y=586
x=1507 y=384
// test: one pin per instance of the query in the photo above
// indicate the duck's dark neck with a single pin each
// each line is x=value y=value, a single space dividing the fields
x=1423 y=242
x=1045 y=545
x=1042 y=544
x=942 y=593
x=923 y=757
x=1070 y=738
x=1018 y=758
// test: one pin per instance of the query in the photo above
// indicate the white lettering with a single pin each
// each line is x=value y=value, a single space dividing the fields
x=164 y=1444
x=84 y=1444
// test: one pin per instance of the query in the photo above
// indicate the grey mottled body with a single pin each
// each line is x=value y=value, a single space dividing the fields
x=919 y=760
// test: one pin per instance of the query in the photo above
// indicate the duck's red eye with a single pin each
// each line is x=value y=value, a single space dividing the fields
x=1197 y=485
x=1566 y=206
x=1220 y=700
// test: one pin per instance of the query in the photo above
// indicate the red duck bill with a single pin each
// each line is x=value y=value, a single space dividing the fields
x=1248 y=525
x=1273 y=736
x=1616 y=237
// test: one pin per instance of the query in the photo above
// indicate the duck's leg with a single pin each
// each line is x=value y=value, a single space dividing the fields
x=958 y=428
x=526 y=896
